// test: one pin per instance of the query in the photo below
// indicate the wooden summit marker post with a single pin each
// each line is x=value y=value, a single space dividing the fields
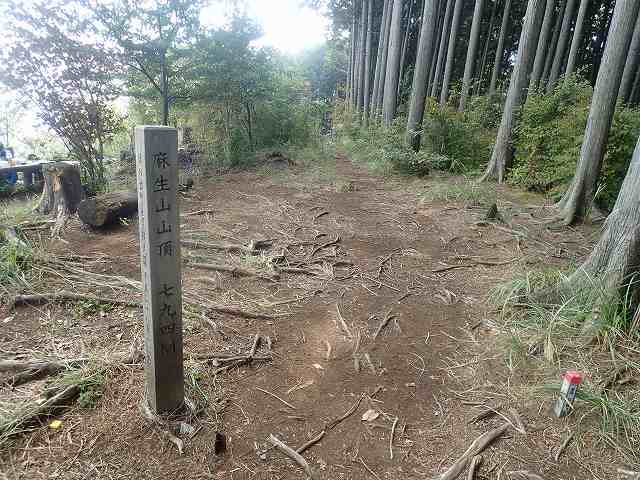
x=157 y=172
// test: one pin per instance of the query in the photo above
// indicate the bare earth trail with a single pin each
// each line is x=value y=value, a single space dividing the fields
x=390 y=316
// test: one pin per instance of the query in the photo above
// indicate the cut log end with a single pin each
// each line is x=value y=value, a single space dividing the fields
x=106 y=210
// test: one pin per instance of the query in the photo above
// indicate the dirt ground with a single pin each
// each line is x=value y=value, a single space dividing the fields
x=417 y=343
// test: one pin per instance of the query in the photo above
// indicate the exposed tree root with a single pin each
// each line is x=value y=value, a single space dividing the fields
x=237 y=271
x=292 y=454
x=477 y=447
x=33 y=412
x=63 y=295
x=30 y=371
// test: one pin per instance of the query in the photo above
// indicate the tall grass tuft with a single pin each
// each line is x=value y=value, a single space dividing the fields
x=551 y=328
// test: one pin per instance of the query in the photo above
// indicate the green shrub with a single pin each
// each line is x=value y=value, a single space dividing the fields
x=451 y=141
x=549 y=135
x=465 y=139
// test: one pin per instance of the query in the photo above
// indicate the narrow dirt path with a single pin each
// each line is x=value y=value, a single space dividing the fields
x=408 y=278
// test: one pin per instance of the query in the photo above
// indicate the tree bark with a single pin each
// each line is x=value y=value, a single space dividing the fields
x=361 y=58
x=437 y=34
x=614 y=262
x=576 y=42
x=497 y=63
x=631 y=65
x=376 y=78
x=552 y=46
x=485 y=51
x=558 y=59
x=502 y=151
x=108 y=209
x=453 y=33
x=578 y=199
x=352 y=57
x=472 y=53
x=367 y=64
x=444 y=40
x=385 y=57
x=61 y=193
x=635 y=91
x=543 y=45
x=421 y=74
x=164 y=86
x=62 y=189
x=393 y=65
x=405 y=43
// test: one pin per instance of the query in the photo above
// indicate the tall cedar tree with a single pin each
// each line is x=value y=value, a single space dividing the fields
x=497 y=62
x=376 y=77
x=543 y=45
x=576 y=42
x=558 y=59
x=393 y=66
x=614 y=262
x=502 y=151
x=578 y=199
x=442 y=48
x=631 y=65
x=472 y=53
x=421 y=73
x=453 y=34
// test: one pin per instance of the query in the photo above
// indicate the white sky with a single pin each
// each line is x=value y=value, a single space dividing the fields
x=287 y=25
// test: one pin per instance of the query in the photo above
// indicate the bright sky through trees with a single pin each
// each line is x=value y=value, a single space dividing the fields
x=287 y=25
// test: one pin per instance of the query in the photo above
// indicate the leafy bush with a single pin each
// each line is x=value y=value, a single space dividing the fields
x=451 y=141
x=549 y=137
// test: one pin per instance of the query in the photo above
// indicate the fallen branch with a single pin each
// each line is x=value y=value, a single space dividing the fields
x=343 y=324
x=477 y=447
x=524 y=475
x=383 y=324
x=235 y=271
x=563 y=446
x=393 y=433
x=216 y=246
x=276 y=397
x=311 y=442
x=331 y=425
x=238 y=312
x=198 y=212
x=471 y=265
x=63 y=295
x=324 y=245
x=292 y=454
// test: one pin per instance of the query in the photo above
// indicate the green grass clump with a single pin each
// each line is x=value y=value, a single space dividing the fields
x=15 y=262
x=469 y=192
x=551 y=326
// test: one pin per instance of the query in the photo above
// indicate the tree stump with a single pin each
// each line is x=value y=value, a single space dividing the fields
x=61 y=193
x=107 y=209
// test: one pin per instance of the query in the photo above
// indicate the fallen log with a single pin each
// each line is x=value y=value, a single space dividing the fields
x=108 y=209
